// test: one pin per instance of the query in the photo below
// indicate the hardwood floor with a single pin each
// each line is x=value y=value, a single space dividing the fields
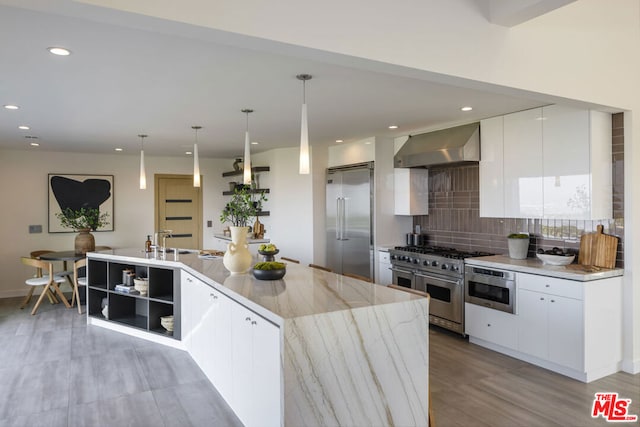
x=473 y=386
x=56 y=371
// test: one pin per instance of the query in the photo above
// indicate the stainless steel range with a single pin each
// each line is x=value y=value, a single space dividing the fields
x=438 y=271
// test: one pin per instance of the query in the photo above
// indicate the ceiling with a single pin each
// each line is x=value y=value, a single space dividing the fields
x=159 y=78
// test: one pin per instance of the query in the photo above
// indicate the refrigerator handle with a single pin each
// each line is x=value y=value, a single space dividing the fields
x=338 y=221
x=344 y=219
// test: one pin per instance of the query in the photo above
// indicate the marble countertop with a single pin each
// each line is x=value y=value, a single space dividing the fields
x=249 y=241
x=535 y=266
x=302 y=292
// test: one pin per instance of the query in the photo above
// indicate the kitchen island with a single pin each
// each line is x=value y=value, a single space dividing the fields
x=314 y=348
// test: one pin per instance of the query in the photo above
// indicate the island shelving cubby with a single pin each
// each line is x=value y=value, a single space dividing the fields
x=134 y=310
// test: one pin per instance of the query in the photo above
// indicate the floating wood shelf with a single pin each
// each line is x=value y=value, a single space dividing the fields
x=253 y=170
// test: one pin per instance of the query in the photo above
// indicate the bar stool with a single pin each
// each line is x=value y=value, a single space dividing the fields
x=319 y=267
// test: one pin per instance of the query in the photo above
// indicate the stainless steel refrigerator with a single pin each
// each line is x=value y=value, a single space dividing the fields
x=350 y=219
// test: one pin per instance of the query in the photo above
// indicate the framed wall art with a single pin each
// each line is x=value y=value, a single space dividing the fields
x=76 y=192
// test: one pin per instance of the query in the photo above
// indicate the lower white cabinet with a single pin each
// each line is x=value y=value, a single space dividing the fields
x=237 y=349
x=491 y=325
x=551 y=328
x=571 y=327
x=256 y=361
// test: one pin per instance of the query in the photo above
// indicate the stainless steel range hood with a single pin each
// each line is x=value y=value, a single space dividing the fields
x=453 y=145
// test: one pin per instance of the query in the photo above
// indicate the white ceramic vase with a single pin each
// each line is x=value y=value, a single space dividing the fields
x=518 y=248
x=238 y=259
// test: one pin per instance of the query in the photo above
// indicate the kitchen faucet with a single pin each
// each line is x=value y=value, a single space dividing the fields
x=164 y=234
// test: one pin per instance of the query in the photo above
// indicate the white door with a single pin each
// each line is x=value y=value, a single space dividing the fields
x=533 y=323
x=492 y=168
x=566 y=342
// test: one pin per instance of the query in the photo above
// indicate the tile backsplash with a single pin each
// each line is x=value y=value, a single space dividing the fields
x=454 y=212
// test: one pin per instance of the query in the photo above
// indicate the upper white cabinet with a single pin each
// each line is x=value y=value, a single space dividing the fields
x=523 y=164
x=491 y=167
x=550 y=162
x=411 y=188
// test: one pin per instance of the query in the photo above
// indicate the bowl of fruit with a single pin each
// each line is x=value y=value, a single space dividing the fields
x=269 y=270
x=268 y=251
x=555 y=256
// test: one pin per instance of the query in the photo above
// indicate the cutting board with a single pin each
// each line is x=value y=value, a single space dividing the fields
x=598 y=249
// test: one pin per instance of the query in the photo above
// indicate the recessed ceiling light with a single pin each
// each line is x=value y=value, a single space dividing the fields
x=393 y=127
x=367 y=143
x=339 y=140
x=118 y=149
x=254 y=142
x=11 y=107
x=467 y=108
x=60 y=51
x=24 y=127
x=188 y=153
x=34 y=144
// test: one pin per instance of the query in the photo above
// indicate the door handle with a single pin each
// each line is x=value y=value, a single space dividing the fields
x=337 y=218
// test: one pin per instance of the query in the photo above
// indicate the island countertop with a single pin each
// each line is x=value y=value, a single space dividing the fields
x=535 y=266
x=342 y=351
x=303 y=291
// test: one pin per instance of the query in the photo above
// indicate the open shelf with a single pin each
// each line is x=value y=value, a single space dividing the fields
x=250 y=191
x=253 y=170
x=134 y=310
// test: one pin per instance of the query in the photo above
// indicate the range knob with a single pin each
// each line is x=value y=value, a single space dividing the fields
x=434 y=263
x=444 y=266
x=416 y=260
x=455 y=268
x=393 y=257
x=426 y=262
x=408 y=259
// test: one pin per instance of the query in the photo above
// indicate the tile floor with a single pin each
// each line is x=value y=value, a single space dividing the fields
x=57 y=371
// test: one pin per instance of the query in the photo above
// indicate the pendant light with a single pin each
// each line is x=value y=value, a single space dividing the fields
x=304 y=130
x=143 y=172
x=247 y=151
x=196 y=160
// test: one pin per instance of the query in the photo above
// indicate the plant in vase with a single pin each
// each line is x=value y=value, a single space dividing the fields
x=83 y=220
x=518 y=245
x=241 y=207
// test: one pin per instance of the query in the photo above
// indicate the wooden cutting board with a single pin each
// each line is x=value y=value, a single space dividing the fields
x=598 y=249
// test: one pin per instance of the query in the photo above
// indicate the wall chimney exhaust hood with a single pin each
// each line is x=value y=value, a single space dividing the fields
x=446 y=146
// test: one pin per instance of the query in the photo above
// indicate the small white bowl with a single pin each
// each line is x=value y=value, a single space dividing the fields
x=167 y=323
x=141 y=285
x=556 y=259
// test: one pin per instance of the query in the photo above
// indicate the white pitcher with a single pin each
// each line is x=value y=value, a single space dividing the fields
x=238 y=259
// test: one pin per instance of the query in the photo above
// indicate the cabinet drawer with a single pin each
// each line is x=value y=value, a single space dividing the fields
x=384 y=257
x=491 y=325
x=550 y=285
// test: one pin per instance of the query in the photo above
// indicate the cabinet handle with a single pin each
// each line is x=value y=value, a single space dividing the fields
x=553 y=300
x=253 y=322
x=541 y=299
x=248 y=319
x=189 y=280
x=546 y=286
x=489 y=325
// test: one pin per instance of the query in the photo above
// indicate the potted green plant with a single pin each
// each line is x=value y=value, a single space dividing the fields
x=518 y=245
x=83 y=220
x=241 y=207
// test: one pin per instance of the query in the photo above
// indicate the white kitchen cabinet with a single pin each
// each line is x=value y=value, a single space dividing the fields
x=492 y=167
x=491 y=325
x=551 y=328
x=577 y=163
x=256 y=368
x=555 y=163
x=384 y=276
x=209 y=336
x=411 y=191
x=523 y=164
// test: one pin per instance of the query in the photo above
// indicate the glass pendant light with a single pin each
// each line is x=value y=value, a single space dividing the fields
x=247 y=151
x=196 y=160
x=143 y=172
x=304 y=130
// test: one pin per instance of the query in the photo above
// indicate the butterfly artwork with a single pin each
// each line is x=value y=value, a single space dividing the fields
x=79 y=191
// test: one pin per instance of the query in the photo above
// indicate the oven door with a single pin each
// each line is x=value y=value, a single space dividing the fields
x=447 y=295
x=402 y=277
